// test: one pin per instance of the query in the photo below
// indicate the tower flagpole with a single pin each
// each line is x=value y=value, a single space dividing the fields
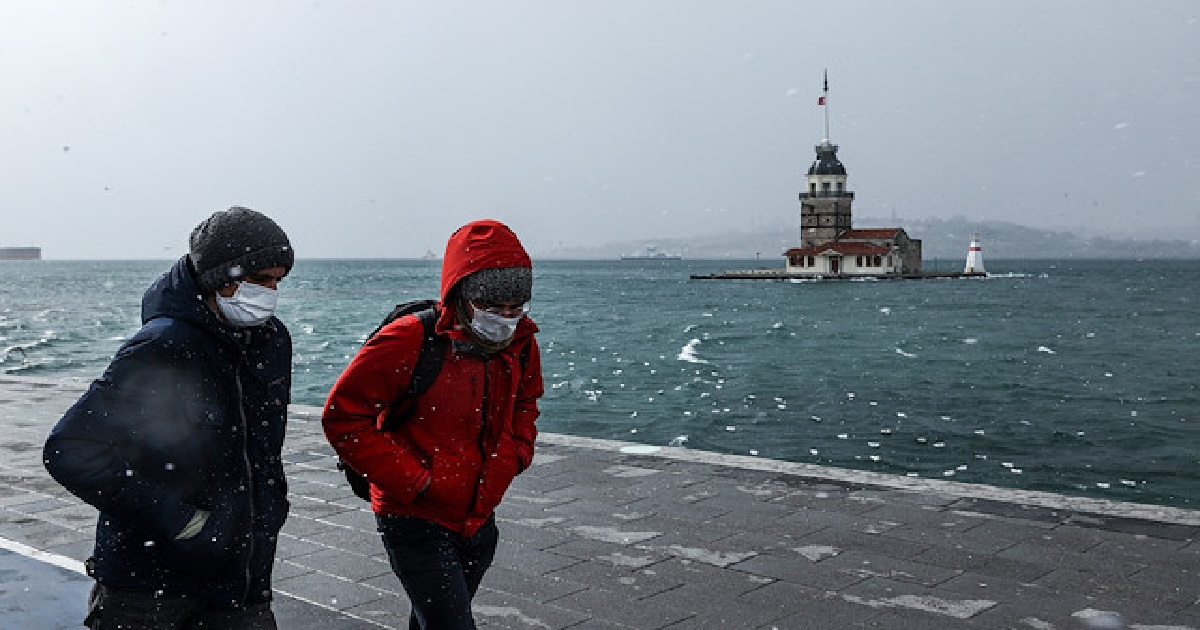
x=824 y=103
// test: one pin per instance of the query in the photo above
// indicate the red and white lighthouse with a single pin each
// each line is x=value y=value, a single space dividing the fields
x=974 y=257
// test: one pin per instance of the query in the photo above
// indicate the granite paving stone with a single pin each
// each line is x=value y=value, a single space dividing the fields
x=538 y=588
x=299 y=615
x=533 y=561
x=866 y=565
x=882 y=544
x=825 y=501
x=326 y=589
x=1184 y=581
x=675 y=530
x=316 y=510
x=1043 y=552
x=360 y=518
x=1115 y=586
x=354 y=566
x=780 y=543
x=925 y=517
x=78 y=550
x=968 y=559
x=284 y=569
x=934 y=606
x=978 y=541
x=798 y=570
x=631 y=582
x=530 y=532
x=506 y=610
x=289 y=546
x=806 y=607
x=904 y=619
x=617 y=607
x=390 y=610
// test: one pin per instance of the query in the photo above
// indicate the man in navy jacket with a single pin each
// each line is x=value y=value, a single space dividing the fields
x=178 y=443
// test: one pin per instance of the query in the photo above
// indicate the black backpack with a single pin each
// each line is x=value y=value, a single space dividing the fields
x=429 y=363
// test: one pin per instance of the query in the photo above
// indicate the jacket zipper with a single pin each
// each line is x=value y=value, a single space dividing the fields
x=483 y=423
x=237 y=375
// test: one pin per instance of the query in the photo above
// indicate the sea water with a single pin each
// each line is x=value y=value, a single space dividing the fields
x=1078 y=377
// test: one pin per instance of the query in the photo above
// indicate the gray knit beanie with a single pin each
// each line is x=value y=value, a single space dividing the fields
x=508 y=285
x=234 y=242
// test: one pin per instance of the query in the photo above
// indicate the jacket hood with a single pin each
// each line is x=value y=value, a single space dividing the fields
x=485 y=244
x=177 y=295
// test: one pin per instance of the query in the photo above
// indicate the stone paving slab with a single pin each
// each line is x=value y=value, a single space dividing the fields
x=600 y=534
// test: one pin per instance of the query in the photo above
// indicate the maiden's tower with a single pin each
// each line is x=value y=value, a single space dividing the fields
x=829 y=244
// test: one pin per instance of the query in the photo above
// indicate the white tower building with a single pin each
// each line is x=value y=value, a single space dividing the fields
x=974 y=257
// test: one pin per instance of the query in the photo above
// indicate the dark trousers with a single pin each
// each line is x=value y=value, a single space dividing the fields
x=439 y=569
x=111 y=609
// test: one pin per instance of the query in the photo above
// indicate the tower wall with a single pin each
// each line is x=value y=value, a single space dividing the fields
x=823 y=219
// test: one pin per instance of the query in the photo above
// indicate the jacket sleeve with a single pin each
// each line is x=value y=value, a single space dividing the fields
x=529 y=390
x=91 y=449
x=359 y=401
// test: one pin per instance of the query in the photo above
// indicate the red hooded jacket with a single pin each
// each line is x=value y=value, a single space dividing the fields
x=471 y=433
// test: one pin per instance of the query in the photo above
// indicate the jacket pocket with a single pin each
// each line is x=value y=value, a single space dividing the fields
x=214 y=549
x=452 y=487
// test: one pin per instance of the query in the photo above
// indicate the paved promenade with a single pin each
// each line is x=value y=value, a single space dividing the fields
x=599 y=535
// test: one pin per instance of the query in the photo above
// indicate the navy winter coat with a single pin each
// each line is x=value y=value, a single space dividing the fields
x=189 y=415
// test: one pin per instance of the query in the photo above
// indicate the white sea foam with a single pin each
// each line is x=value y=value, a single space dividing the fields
x=688 y=352
x=905 y=354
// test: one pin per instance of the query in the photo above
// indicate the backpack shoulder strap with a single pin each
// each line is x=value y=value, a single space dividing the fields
x=429 y=361
x=424 y=373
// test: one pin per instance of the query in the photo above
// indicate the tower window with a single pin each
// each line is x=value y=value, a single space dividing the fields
x=825 y=186
x=813 y=188
x=841 y=186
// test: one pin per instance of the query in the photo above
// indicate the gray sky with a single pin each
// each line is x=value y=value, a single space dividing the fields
x=374 y=128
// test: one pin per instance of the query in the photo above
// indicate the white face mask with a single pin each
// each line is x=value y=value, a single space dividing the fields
x=492 y=327
x=250 y=305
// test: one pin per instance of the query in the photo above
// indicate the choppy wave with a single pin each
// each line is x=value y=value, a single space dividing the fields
x=688 y=352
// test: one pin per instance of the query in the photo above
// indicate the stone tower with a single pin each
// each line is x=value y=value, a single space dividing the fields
x=825 y=207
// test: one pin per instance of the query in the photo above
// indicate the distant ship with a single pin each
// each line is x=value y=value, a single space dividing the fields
x=651 y=253
x=20 y=253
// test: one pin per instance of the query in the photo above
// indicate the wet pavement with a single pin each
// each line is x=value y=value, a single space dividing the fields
x=35 y=593
x=600 y=534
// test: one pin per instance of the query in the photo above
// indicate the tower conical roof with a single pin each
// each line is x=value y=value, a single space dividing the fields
x=827 y=162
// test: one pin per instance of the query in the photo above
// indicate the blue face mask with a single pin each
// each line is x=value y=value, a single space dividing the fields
x=492 y=327
x=250 y=305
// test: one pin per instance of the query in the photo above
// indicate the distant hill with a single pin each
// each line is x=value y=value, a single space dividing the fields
x=941 y=239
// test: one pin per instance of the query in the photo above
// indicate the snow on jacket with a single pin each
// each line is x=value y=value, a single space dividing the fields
x=471 y=433
x=190 y=414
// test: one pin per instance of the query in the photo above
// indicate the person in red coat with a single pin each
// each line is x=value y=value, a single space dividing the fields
x=437 y=478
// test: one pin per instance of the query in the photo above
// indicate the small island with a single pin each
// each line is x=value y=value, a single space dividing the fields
x=830 y=246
